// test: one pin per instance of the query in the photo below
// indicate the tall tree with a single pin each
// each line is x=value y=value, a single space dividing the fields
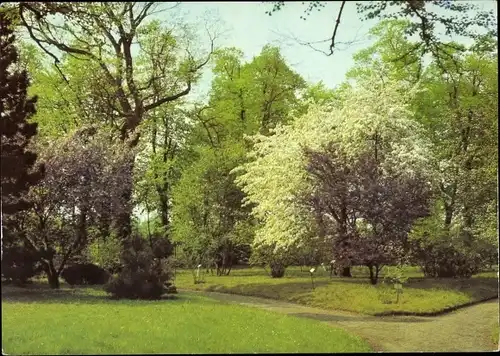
x=105 y=36
x=246 y=98
x=15 y=111
x=459 y=116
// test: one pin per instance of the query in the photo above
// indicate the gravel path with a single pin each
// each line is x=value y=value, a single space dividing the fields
x=467 y=329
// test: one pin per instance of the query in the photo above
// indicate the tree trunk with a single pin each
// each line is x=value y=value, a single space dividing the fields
x=448 y=215
x=373 y=280
x=164 y=206
x=52 y=275
x=123 y=222
x=346 y=272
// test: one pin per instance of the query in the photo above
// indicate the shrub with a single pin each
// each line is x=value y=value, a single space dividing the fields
x=445 y=260
x=85 y=273
x=19 y=265
x=456 y=252
x=145 y=271
x=277 y=269
x=277 y=260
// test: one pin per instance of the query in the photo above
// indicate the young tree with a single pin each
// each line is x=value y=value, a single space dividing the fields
x=84 y=179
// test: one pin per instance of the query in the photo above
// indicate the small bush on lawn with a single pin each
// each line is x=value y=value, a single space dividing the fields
x=145 y=269
x=277 y=260
x=19 y=265
x=85 y=273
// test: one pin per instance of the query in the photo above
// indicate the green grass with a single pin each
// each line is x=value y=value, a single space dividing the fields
x=81 y=321
x=420 y=295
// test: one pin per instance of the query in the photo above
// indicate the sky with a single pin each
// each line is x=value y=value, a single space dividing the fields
x=249 y=28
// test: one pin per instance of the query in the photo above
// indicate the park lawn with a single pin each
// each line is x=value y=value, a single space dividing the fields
x=82 y=321
x=420 y=295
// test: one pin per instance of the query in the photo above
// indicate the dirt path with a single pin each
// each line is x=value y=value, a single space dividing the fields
x=467 y=329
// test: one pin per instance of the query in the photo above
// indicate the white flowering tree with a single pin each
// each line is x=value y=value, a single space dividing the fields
x=371 y=115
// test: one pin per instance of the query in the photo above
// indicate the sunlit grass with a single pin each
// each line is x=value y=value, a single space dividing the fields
x=83 y=321
x=420 y=295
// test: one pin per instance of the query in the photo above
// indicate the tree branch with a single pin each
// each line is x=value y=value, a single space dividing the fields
x=337 y=23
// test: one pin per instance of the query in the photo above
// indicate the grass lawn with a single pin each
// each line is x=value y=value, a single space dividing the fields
x=420 y=295
x=79 y=321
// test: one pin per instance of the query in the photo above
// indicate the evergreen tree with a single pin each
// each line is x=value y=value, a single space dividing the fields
x=15 y=110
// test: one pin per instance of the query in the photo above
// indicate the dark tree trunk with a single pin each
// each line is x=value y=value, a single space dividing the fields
x=52 y=275
x=448 y=215
x=377 y=272
x=164 y=206
x=374 y=274
x=346 y=272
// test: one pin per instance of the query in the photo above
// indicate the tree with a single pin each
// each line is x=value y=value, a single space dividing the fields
x=367 y=211
x=71 y=197
x=275 y=176
x=245 y=98
x=15 y=109
x=458 y=114
x=104 y=36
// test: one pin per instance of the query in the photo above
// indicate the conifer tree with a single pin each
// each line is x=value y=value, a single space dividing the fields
x=17 y=161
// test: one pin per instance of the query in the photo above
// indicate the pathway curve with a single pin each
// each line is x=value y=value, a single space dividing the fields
x=467 y=329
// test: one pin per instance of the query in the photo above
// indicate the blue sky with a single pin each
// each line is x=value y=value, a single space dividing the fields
x=249 y=29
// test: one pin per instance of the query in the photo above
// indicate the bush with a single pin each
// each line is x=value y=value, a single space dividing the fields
x=277 y=260
x=277 y=269
x=85 y=273
x=19 y=265
x=145 y=271
x=456 y=252
x=446 y=260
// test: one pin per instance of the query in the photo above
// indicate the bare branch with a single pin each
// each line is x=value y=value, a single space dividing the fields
x=337 y=23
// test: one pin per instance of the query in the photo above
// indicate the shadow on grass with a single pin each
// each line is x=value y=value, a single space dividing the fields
x=344 y=318
x=78 y=295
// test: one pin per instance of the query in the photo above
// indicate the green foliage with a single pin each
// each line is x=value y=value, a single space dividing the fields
x=275 y=175
x=106 y=252
x=245 y=98
x=457 y=114
x=19 y=171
